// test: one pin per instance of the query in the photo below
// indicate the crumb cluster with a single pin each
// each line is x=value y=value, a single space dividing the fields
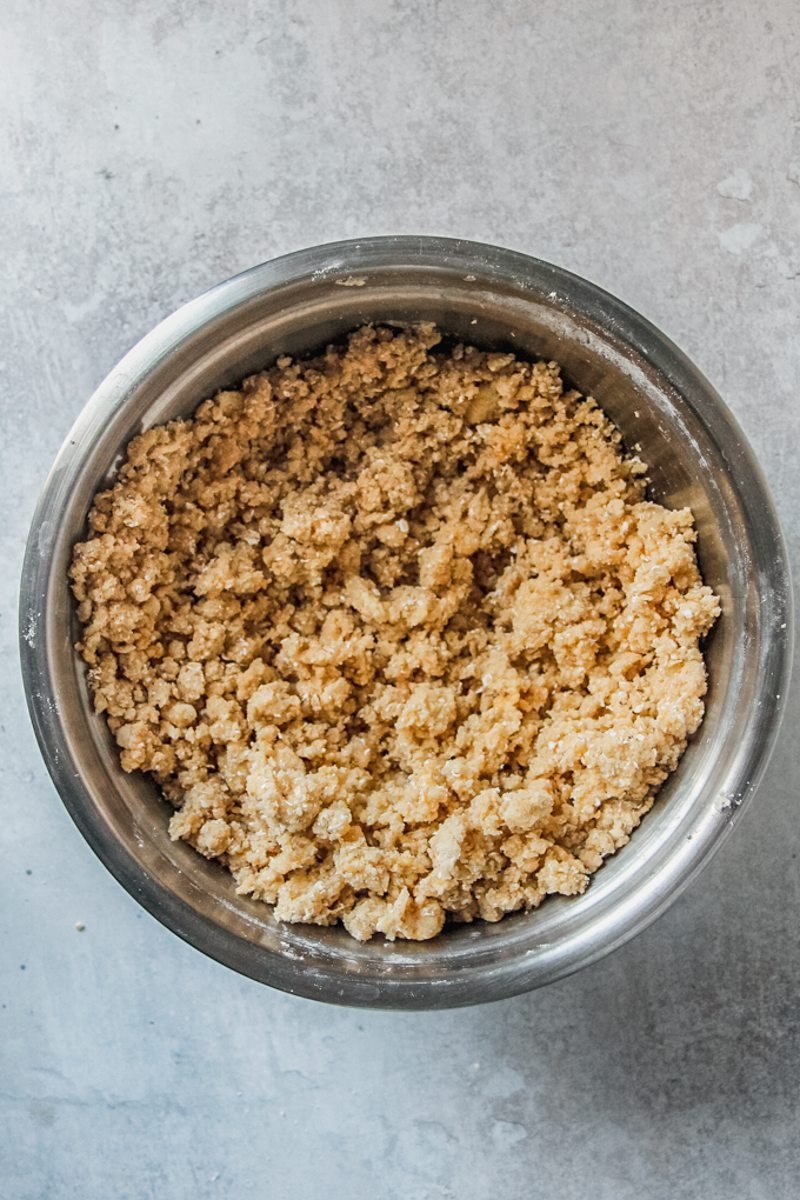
x=396 y=631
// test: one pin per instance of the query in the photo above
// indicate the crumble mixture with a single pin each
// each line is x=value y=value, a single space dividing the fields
x=396 y=631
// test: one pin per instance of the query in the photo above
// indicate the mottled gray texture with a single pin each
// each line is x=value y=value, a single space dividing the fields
x=147 y=150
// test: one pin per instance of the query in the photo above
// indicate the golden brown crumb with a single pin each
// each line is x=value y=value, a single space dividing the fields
x=396 y=631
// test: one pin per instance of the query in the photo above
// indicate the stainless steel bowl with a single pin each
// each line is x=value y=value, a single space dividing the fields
x=697 y=456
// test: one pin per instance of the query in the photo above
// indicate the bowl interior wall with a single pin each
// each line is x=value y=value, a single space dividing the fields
x=686 y=467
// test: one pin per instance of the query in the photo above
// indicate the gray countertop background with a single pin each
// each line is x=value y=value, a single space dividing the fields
x=148 y=150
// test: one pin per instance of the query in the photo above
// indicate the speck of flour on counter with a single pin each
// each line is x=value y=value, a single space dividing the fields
x=397 y=632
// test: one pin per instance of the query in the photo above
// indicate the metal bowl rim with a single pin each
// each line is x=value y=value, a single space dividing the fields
x=346 y=259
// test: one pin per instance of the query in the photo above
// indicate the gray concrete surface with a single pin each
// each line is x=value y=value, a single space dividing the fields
x=149 y=149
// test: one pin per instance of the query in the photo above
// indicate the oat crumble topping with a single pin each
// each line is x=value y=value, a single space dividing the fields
x=396 y=631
